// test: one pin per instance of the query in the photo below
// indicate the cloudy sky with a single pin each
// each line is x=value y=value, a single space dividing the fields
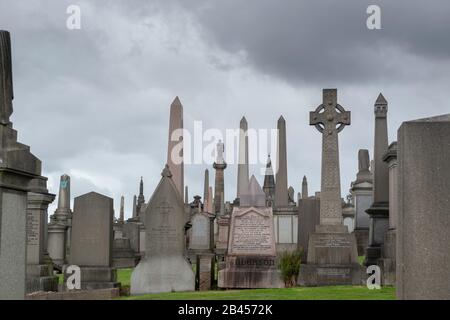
x=93 y=103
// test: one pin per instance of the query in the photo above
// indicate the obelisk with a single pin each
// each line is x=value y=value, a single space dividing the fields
x=134 y=207
x=175 y=145
x=219 y=184
x=332 y=253
x=269 y=183
x=281 y=183
x=243 y=170
x=206 y=185
x=304 y=188
x=140 y=199
x=379 y=210
x=122 y=210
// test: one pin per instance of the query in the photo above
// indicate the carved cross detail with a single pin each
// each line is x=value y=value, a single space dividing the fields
x=329 y=114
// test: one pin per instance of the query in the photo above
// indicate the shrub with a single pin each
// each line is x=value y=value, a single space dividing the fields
x=289 y=265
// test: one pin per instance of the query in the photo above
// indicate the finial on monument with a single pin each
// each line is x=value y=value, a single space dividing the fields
x=166 y=172
x=6 y=83
x=381 y=106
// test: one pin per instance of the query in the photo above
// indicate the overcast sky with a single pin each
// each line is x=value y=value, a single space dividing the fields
x=94 y=103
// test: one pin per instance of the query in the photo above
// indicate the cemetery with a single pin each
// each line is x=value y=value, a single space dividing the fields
x=384 y=238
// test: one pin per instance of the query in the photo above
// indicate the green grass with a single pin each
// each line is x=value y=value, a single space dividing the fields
x=124 y=276
x=361 y=259
x=304 y=293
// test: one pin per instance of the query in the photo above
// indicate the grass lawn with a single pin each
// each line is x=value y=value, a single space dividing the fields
x=310 y=293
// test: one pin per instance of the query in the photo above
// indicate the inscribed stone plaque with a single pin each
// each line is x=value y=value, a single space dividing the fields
x=200 y=234
x=252 y=232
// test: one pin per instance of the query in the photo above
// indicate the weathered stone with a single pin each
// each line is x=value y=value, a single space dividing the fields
x=175 y=145
x=281 y=183
x=92 y=238
x=423 y=237
x=243 y=169
x=164 y=267
x=219 y=187
x=379 y=210
x=205 y=271
x=308 y=218
x=304 y=188
x=269 y=183
x=332 y=254
x=201 y=231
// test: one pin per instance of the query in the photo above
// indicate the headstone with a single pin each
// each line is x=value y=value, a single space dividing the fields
x=175 y=145
x=18 y=167
x=243 y=169
x=92 y=240
x=332 y=255
x=379 y=210
x=201 y=231
x=219 y=187
x=123 y=255
x=362 y=196
x=164 y=267
x=423 y=237
x=131 y=231
x=251 y=255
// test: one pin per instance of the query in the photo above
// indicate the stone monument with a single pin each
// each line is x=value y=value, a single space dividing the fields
x=269 y=183
x=18 y=168
x=332 y=255
x=423 y=237
x=92 y=240
x=164 y=267
x=175 y=145
x=251 y=257
x=362 y=197
x=379 y=210
x=243 y=169
x=219 y=186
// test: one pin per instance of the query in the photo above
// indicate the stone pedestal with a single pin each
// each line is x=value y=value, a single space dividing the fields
x=223 y=223
x=57 y=243
x=379 y=225
x=93 y=278
x=123 y=254
x=308 y=218
x=332 y=258
x=205 y=271
x=362 y=240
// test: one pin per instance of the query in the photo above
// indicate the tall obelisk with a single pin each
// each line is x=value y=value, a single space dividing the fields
x=122 y=210
x=379 y=210
x=243 y=171
x=206 y=186
x=281 y=183
x=219 y=184
x=175 y=145
x=304 y=188
x=269 y=183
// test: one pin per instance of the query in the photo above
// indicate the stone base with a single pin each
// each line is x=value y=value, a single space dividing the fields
x=123 y=255
x=311 y=275
x=101 y=294
x=93 y=278
x=362 y=240
x=379 y=225
x=40 y=278
x=250 y=272
x=332 y=258
x=205 y=271
x=162 y=274
x=388 y=260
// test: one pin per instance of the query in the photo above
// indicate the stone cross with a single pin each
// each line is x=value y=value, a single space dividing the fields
x=330 y=118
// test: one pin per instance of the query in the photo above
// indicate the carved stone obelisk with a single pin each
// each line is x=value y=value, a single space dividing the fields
x=206 y=186
x=281 y=183
x=304 y=188
x=332 y=255
x=175 y=146
x=219 y=184
x=379 y=210
x=243 y=170
x=269 y=183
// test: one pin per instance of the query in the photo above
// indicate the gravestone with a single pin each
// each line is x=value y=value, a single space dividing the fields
x=201 y=232
x=92 y=239
x=251 y=256
x=332 y=255
x=164 y=267
x=18 y=167
x=423 y=237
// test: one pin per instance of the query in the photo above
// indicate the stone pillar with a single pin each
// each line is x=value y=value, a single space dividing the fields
x=379 y=210
x=61 y=225
x=122 y=210
x=186 y=195
x=362 y=196
x=18 y=167
x=281 y=183
x=205 y=271
x=387 y=263
x=304 y=188
x=243 y=170
x=219 y=186
x=134 y=215
x=423 y=237
x=175 y=145
x=206 y=185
